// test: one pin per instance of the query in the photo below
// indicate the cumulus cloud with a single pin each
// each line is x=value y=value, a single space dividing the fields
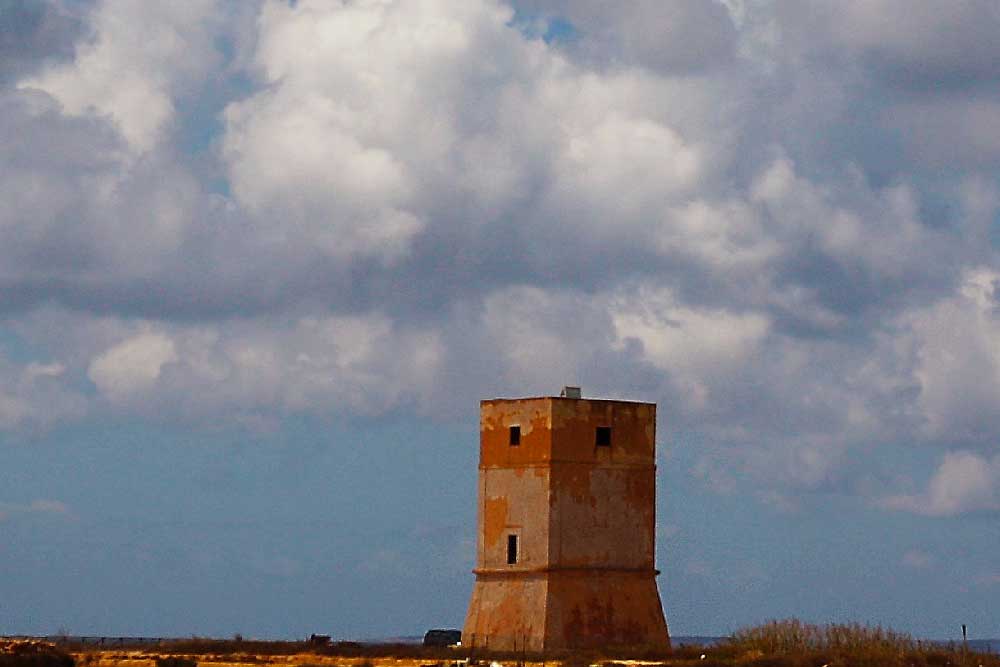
x=140 y=59
x=132 y=365
x=381 y=120
x=775 y=219
x=698 y=347
x=964 y=482
x=351 y=364
x=955 y=342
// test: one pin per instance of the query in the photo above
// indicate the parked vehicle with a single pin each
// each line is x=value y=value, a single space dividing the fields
x=443 y=638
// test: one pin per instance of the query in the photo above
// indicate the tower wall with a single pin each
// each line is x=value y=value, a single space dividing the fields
x=507 y=614
x=581 y=513
x=606 y=610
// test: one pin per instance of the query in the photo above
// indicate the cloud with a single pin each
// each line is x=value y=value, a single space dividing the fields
x=354 y=364
x=945 y=131
x=36 y=508
x=35 y=33
x=682 y=36
x=696 y=346
x=132 y=365
x=35 y=396
x=910 y=45
x=329 y=146
x=964 y=482
x=958 y=360
x=917 y=560
x=378 y=124
x=698 y=569
x=929 y=75
x=988 y=579
x=140 y=59
x=774 y=219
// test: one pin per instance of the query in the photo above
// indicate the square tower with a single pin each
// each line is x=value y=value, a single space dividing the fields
x=566 y=527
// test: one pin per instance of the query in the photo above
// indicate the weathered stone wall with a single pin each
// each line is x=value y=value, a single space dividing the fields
x=584 y=517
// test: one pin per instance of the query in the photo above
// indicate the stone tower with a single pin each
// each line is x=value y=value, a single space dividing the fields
x=566 y=527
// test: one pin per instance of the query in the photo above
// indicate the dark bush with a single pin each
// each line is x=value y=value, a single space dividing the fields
x=175 y=661
x=33 y=654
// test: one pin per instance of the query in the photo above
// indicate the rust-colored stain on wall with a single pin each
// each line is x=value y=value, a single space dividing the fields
x=566 y=527
x=494 y=520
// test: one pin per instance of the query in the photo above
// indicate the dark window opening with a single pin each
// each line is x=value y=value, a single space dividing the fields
x=511 y=549
x=515 y=436
x=602 y=437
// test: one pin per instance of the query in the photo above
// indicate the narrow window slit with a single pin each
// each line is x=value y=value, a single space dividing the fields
x=511 y=549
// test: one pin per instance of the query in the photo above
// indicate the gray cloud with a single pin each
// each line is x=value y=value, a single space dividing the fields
x=33 y=34
x=680 y=37
x=914 y=46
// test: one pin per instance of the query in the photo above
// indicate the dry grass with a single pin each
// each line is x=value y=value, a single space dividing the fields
x=791 y=643
x=788 y=643
x=791 y=637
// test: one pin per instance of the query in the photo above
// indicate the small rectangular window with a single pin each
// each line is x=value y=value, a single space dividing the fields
x=602 y=437
x=515 y=436
x=511 y=549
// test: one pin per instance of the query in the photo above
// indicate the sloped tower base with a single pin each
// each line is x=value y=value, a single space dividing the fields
x=565 y=610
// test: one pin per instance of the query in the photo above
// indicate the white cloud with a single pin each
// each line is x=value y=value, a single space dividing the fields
x=728 y=236
x=357 y=364
x=132 y=366
x=876 y=231
x=138 y=60
x=698 y=347
x=957 y=347
x=356 y=113
x=964 y=482
x=634 y=158
x=378 y=121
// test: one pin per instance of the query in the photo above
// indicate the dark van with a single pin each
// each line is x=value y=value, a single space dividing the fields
x=442 y=637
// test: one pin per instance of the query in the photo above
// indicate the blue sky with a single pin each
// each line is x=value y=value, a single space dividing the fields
x=260 y=260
